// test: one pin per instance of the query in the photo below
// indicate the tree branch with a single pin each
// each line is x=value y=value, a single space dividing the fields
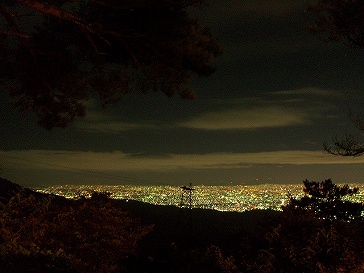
x=16 y=34
x=13 y=26
x=347 y=146
x=53 y=11
x=86 y=28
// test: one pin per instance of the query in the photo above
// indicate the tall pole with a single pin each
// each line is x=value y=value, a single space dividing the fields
x=184 y=190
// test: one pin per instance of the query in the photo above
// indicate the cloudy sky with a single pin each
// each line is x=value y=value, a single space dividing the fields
x=277 y=95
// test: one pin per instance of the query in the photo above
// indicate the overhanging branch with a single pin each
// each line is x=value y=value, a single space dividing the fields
x=348 y=145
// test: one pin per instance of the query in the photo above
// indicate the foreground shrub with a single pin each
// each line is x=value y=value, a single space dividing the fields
x=304 y=243
x=55 y=235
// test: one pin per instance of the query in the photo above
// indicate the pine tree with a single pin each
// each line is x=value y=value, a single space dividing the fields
x=324 y=199
x=55 y=55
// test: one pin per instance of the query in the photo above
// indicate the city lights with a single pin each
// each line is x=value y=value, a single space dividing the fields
x=223 y=198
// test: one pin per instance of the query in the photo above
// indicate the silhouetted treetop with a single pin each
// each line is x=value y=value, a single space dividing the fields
x=339 y=20
x=324 y=199
x=327 y=190
x=54 y=55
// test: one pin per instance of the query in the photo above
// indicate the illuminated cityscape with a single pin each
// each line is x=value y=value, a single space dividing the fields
x=223 y=198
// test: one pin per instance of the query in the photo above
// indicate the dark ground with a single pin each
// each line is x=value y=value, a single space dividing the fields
x=201 y=227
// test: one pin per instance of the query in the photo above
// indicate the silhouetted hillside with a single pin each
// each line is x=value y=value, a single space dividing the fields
x=200 y=227
x=99 y=234
x=8 y=189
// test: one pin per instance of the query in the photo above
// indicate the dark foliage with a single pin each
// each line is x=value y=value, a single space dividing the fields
x=324 y=199
x=317 y=233
x=304 y=243
x=86 y=235
x=55 y=55
x=339 y=20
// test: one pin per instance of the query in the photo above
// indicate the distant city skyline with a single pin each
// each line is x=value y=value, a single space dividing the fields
x=222 y=198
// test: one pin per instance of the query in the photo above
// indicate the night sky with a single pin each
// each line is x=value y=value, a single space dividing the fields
x=278 y=93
